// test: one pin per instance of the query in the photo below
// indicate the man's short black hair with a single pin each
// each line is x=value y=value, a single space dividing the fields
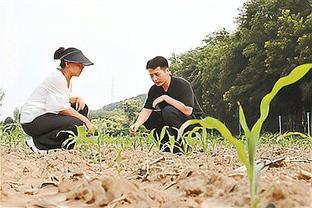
x=158 y=61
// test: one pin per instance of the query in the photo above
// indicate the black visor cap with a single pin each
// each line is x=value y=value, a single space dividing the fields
x=78 y=57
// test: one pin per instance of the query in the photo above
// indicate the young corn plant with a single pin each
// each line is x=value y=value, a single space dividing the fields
x=191 y=138
x=188 y=142
x=136 y=142
x=246 y=152
x=81 y=140
x=12 y=135
x=296 y=138
x=171 y=144
x=151 y=140
x=203 y=138
x=117 y=162
x=158 y=138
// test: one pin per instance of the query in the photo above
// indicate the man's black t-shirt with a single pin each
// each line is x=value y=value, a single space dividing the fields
x=179 y=89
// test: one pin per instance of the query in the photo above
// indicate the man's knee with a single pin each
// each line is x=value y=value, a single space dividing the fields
x=154 y=121
x=172 y=116
x=169 y=111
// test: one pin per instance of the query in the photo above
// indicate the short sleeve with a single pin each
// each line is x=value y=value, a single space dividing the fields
x=186 y=94
x=57 y=93
x=56 y=103
x=149 y=100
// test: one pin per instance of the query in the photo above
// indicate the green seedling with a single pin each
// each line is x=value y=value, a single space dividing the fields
x=12 y=135
x=160 y=137
x=117 y=163
x=81 y=140
x=295 y=138
x=171 y=144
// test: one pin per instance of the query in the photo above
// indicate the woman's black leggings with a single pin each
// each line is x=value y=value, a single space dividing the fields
x=48 y=129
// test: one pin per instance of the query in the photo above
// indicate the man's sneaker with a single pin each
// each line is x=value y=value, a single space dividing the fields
x=30 y=143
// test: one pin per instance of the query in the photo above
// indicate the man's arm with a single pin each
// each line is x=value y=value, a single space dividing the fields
x=143 y=116
x=186 y=110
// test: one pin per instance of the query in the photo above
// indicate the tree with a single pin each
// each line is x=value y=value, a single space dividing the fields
x=272 y=37
x=132 y=108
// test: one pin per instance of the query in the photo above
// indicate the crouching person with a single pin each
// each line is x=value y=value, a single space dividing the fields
x=50 y=111
x=170 y=102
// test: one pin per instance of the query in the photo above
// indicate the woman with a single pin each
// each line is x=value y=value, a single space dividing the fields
x=50 y=111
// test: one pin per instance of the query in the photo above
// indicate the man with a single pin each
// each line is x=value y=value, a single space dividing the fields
x=170 y=101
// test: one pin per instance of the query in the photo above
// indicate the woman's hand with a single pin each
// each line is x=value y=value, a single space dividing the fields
x=80 y=104
x=89 y=126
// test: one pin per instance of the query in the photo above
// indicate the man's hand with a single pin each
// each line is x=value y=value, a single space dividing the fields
x=133 y=129
x=160 y=99
x=80 y=104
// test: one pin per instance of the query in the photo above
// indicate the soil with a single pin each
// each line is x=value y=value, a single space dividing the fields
x=155 y=179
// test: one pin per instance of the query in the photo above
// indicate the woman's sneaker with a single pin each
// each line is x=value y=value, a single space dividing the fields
x=30 y=143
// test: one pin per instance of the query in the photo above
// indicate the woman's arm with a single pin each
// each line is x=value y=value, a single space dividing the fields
x=74 y=113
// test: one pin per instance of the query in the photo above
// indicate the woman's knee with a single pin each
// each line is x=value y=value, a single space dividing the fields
x=84 y=111
x=75 y=122
x=71 y=124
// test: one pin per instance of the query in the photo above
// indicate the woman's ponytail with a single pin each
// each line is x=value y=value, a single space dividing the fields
x=59 y=53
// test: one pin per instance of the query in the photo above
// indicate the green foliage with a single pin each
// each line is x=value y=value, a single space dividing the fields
x=171 y=144
x=290 y=139
x=132 y=108
x=272 y=37
x=12 y=135
x=117 y=162
x=159 y=138
x=81 y=140
x=117 y=117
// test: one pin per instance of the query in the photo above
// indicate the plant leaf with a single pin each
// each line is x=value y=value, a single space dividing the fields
x=296 y=74
x=210 y=123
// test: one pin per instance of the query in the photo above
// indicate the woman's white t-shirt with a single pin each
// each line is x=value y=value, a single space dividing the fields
x=51 y=96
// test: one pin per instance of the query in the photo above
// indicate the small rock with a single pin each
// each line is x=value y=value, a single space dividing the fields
x=31 y=191
x=304 y=175
x=270 y=205
x=278 y=194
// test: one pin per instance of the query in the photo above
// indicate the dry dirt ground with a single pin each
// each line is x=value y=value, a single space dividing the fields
x=66 y=179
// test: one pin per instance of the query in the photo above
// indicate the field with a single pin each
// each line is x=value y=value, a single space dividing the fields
x=125 y=173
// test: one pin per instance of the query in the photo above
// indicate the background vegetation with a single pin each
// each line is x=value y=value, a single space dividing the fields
x=118 y=117
x=272 y=37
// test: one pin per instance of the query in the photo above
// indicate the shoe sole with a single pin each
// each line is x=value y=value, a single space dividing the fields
x=34 y=149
